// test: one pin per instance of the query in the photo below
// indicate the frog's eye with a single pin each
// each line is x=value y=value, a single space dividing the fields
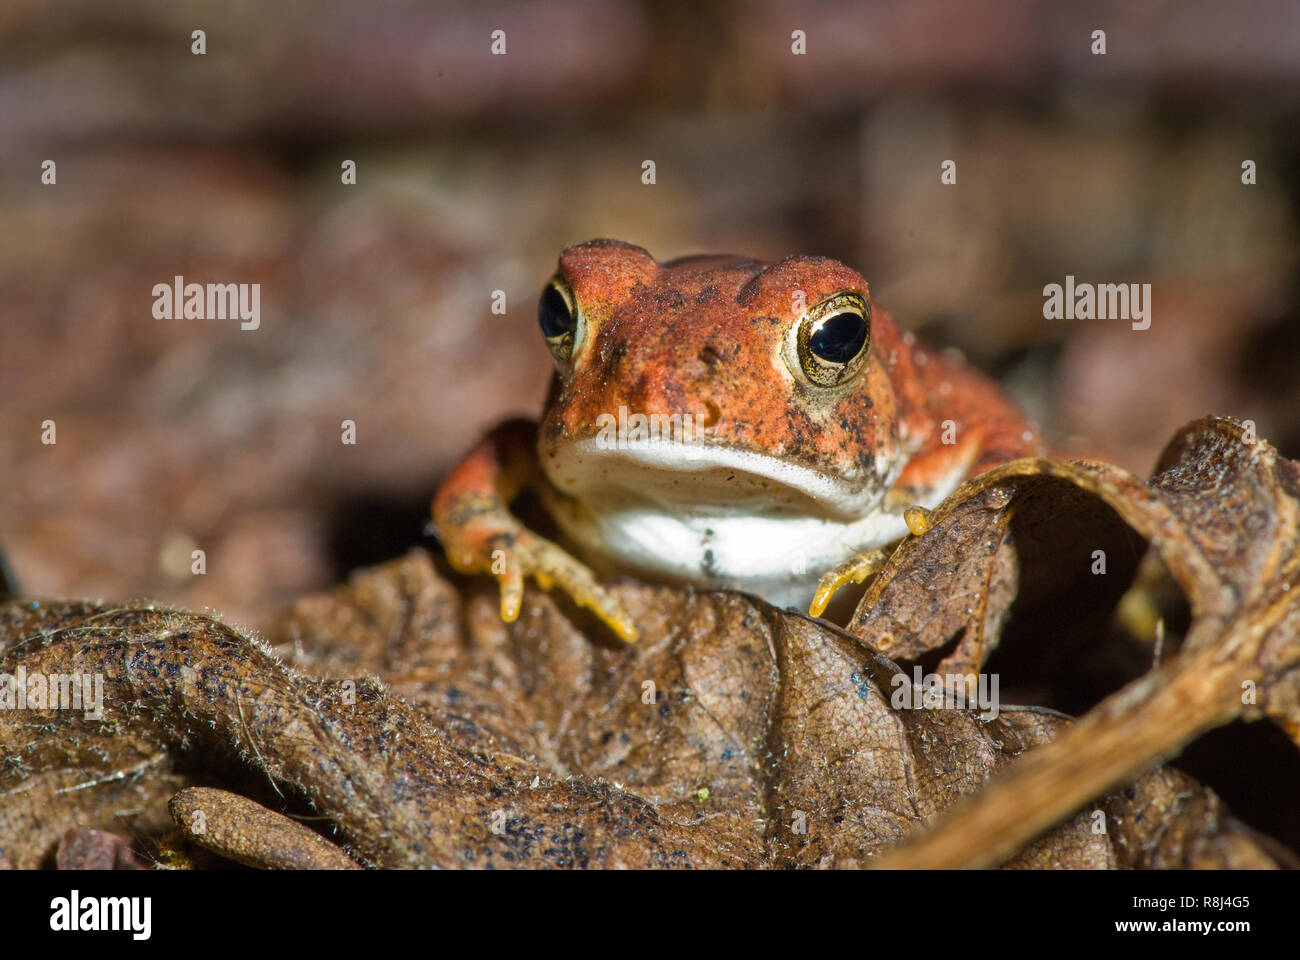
x=831 y=339
x=558 y=317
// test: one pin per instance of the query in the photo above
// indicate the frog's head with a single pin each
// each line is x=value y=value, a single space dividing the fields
x=777 y=366
x=713 y=391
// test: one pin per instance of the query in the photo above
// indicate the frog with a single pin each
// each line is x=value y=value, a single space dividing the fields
x=720 y=422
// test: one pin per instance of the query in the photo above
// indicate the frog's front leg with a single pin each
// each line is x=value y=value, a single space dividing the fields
x=471 y=513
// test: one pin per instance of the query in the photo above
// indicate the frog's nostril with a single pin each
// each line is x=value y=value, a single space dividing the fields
x=709 y=357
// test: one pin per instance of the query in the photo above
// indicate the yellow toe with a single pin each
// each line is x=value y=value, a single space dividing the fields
x=917 y=520
x=823 y=596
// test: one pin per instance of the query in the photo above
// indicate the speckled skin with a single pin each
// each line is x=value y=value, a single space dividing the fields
x=706 y=335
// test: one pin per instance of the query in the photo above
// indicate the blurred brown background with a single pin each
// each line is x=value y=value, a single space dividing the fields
x=474 y=170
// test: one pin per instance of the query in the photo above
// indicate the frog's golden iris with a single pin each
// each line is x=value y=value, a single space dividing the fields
x=832 y=338
x=557 y=315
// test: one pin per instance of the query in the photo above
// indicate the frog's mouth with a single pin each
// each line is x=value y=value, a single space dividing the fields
x=713 y=515
x=709 y=477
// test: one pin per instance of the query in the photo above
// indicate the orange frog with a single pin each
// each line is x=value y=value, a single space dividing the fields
x=725 y=423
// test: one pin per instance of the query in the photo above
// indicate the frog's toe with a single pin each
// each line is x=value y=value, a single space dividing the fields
x=552 y=566
x=611 y=613
x=511 y=581
x=917 y=520
x=853 y=570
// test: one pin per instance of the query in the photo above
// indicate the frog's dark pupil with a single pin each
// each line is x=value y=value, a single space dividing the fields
x=553 y=314
x=840 y=338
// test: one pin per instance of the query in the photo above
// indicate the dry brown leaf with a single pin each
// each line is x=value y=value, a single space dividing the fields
x=1223 y=514
x=424 y=732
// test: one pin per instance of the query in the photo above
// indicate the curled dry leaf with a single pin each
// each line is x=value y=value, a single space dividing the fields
x=419 y=730
x=1223 y=514
x=236 y=827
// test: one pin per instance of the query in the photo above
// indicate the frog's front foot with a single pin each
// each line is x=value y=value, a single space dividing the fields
x=853 y=570
x=862 y=565
x=482 y=538
x=859 y=566
x=471 y=513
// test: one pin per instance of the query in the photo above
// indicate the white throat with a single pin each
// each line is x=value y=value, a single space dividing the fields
x=719 y=517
